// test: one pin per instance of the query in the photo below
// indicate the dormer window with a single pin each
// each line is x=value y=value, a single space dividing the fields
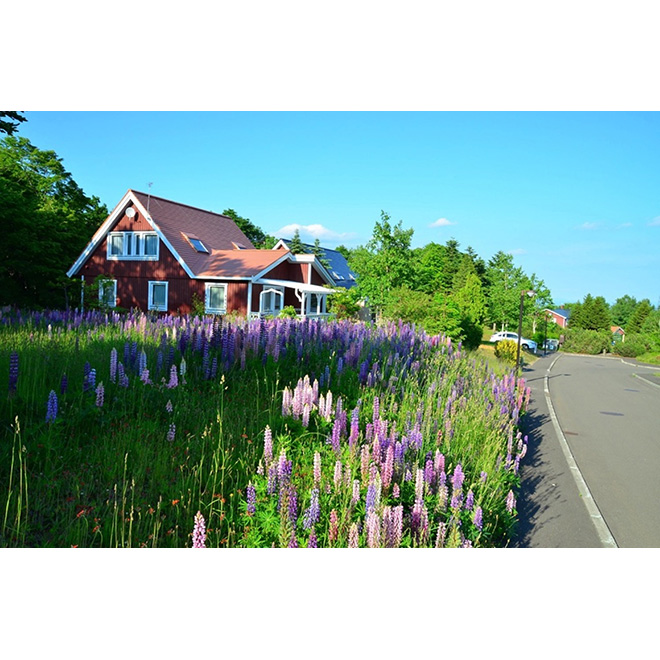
x=196 y=243
x=238 y=246
x=134 y=245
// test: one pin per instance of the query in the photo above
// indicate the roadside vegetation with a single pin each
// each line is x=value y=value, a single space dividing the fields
x=117 y=430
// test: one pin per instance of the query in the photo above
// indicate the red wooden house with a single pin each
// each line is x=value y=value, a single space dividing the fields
x=157 y=254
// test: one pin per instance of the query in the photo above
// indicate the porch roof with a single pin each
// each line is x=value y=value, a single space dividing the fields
x=301 y=286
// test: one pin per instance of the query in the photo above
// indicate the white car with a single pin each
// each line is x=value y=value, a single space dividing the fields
x=525 y=344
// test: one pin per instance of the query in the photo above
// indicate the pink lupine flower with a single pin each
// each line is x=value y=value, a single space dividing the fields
x=199 y=531
x=395 y=491
x=305 y=415
x=373 y=530
x=333 y=531
x=353 y=536
x=510 y=502
x=337 y=475
x=419 y=484
x=356 y=492
x=442 y=533
x=268 y=445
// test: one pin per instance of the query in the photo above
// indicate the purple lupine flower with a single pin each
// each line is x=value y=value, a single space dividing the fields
x=171 y=433
x=370 y=498
x=64 y=384
x=333 y=531
x=272 y=478
x=113 y=365
x=199 y=531
x=478 y=518
x=174 y=378
x=510 y=502
x=90 y=381
x=313 y=513
x=13 y=372
x=100 y=391
x=469 y=500
x=268 y=445
x=144 y=376
x=483 y=477
x=121 y=375
x=336 y=433
x=458 y=477
x=284 y=468
x=292 y=505
x=312 y=542
x=169 y=407
x=251 y=499
x=51 y=408
x=353 y=536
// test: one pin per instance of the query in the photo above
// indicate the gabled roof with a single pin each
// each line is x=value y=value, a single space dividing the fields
x=229 y=253
x=338 y=269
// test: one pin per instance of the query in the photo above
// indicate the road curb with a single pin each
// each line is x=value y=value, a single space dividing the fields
x=603 y=531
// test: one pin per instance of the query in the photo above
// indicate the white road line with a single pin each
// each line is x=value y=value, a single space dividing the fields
x=603 y=531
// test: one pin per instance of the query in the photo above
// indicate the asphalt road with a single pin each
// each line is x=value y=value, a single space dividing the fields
x=592 y=474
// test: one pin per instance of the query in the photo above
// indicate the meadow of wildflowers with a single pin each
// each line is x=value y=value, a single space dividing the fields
x=131 y=431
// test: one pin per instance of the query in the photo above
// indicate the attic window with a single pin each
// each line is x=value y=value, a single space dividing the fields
x=239 y=246
x=196 y=243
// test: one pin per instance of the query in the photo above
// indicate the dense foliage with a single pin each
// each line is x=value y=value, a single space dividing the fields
x=46 y=219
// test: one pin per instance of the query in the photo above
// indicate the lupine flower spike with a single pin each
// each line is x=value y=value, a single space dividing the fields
x=199 y=531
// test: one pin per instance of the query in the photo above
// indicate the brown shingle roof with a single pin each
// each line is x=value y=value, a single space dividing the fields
x=216 y=231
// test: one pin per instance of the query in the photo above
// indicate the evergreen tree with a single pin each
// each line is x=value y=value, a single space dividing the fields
x=296 y=245
x=638 y=317
x=622 y=310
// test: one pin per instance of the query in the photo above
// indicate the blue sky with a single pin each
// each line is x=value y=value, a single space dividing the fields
x=574 y=196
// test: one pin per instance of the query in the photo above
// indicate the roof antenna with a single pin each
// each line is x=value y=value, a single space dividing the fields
x=151 y=183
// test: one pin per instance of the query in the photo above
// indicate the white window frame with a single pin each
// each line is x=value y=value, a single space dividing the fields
x=274 y=291
x=151 y=305
x=132 y=237
x=103 y=297
x=212 y=310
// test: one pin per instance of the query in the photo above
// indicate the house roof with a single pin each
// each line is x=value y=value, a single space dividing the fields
x=218 y=232
x=229 y=253
x=565 y=313
x=339 y=268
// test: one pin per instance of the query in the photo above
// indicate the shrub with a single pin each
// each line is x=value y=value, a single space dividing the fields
x=288 y=312
x=506 y=351
x=591 y=342
x=633 y=346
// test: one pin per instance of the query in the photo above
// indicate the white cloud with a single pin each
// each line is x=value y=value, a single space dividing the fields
x=589 y=225
x=441 y=222
x=625 y=225
x=655 y=222
x=517 y=251
x=312 y=232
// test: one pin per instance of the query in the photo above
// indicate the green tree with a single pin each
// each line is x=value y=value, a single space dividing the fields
x=384 y=264
x=622 y=310
x=318 y=252
x=255 y=234
x=471 y=300
x=9 y=121
x=505 y=282
x=638 y=317
x=47 y=220
x=296 y=246
x=342 y=249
